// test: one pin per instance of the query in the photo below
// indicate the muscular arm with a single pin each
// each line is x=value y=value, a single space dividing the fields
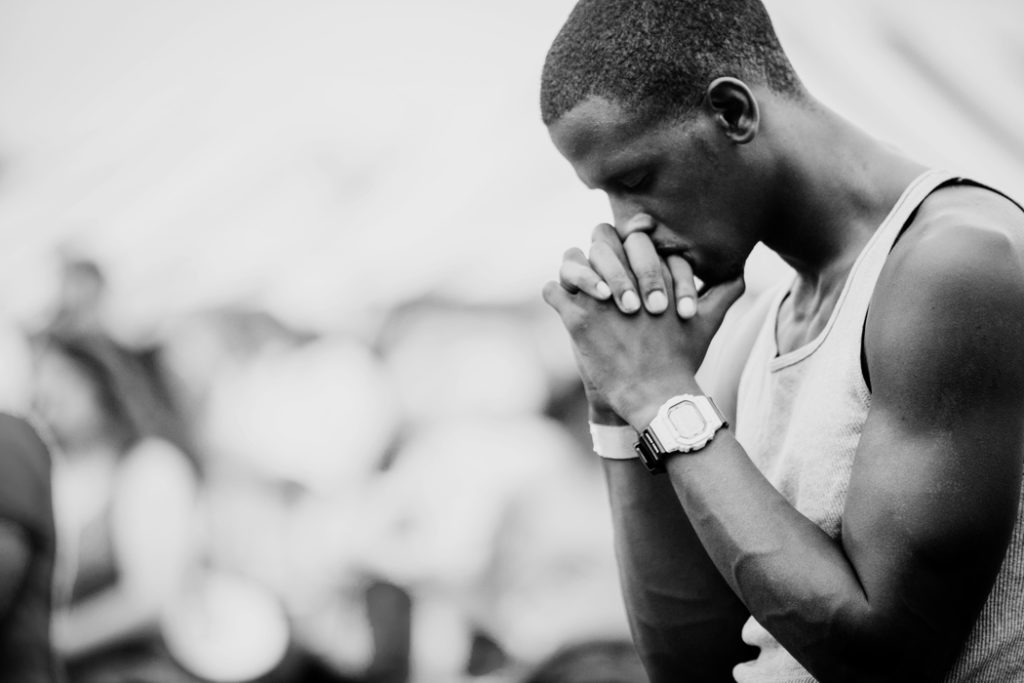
x=935 y=484
x=934 y=489
x=685 y=619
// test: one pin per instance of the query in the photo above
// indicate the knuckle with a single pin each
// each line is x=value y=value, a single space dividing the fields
x=578 y=323
x=573 y=277
x=649 y=275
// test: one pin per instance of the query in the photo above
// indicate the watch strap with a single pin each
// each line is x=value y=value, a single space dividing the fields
x=613 y=442
x=650 y=450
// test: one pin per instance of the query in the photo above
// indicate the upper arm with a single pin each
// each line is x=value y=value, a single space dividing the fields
x=935 y=486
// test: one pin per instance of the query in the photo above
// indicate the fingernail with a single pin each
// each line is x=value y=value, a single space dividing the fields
x=603 y=290
x=657 y=301
x=630 y=302
x=686 y=307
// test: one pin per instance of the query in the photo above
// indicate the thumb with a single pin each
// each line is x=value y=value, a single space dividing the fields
x=717 y=300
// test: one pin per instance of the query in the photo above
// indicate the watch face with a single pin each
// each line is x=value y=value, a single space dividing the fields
x=687 y=420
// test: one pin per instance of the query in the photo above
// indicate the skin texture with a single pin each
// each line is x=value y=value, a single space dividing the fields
x=934 y=489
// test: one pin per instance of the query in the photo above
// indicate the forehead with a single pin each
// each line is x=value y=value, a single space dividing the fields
x=600 y=137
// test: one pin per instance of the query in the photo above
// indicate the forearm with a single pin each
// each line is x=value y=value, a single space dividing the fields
x=685 y=619
x=795 y=580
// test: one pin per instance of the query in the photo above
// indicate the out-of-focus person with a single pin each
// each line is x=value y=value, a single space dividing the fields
x=291 y=425
x=489 y=516
x=79 y=309
x=27 y=551
x=124 y=501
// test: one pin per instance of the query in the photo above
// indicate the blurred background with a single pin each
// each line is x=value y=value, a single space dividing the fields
x=270 y=274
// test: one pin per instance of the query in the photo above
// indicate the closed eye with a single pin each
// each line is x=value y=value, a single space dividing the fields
x=634 y=181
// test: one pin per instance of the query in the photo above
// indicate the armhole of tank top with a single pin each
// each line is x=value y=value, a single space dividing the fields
x=864 y=371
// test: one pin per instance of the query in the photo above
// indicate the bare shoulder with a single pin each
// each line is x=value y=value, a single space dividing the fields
x=952 y=288
x=963 y=223
x=963 y=240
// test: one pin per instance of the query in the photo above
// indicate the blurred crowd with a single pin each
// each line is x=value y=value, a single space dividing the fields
x=240 y=500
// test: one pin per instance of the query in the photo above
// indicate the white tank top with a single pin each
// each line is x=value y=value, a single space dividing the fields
x=799 y=417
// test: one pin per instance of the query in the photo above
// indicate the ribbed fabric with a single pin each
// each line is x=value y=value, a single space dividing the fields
x=800 y=416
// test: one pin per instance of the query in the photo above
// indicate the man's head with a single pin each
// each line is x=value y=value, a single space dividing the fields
x=657 y=102
x=657 y=57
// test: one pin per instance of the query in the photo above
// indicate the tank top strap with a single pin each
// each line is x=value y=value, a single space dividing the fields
x=881 y=243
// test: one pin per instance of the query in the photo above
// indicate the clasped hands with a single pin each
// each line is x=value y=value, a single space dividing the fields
x=631 y=352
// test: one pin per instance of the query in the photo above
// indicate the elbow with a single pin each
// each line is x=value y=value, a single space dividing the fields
x=867 y=647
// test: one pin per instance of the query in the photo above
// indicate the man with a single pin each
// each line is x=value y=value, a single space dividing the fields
x=856 y=516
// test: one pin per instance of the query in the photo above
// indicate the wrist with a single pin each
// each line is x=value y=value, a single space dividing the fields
x=645 y=405
x=686 y=423
x=641 y=418
x=614 y=442
x=606 y=417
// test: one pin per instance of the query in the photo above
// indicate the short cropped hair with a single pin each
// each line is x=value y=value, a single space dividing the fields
x=658 y=56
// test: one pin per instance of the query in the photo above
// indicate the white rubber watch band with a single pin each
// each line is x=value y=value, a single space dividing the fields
x=614 y=443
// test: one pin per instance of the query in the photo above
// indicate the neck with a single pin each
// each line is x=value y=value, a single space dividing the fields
x=834 y=186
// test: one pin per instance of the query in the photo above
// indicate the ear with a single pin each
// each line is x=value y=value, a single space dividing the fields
x=734 y=108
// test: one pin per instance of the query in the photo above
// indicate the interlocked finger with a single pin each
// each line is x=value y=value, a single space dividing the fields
x=578 y=275
x=610 y=265
x=604 y=232
x=685 y=289
x=647 y=269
